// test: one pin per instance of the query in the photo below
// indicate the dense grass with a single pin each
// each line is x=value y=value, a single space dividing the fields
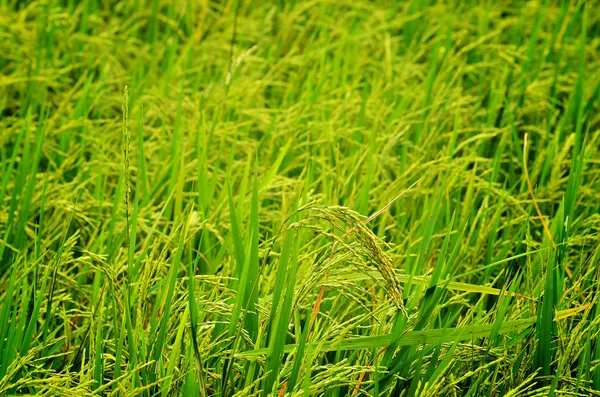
x=306 y=198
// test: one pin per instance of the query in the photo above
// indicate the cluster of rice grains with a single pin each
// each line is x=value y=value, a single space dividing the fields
x=353 y=242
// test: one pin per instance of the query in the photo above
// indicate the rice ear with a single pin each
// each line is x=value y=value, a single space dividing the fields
x=351 y=223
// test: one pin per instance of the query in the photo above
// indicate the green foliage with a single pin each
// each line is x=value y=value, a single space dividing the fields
x=299 y=198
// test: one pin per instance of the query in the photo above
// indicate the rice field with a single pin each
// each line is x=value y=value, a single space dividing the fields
x=300 y=198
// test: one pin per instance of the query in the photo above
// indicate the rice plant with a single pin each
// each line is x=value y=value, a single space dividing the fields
x=321 y=198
